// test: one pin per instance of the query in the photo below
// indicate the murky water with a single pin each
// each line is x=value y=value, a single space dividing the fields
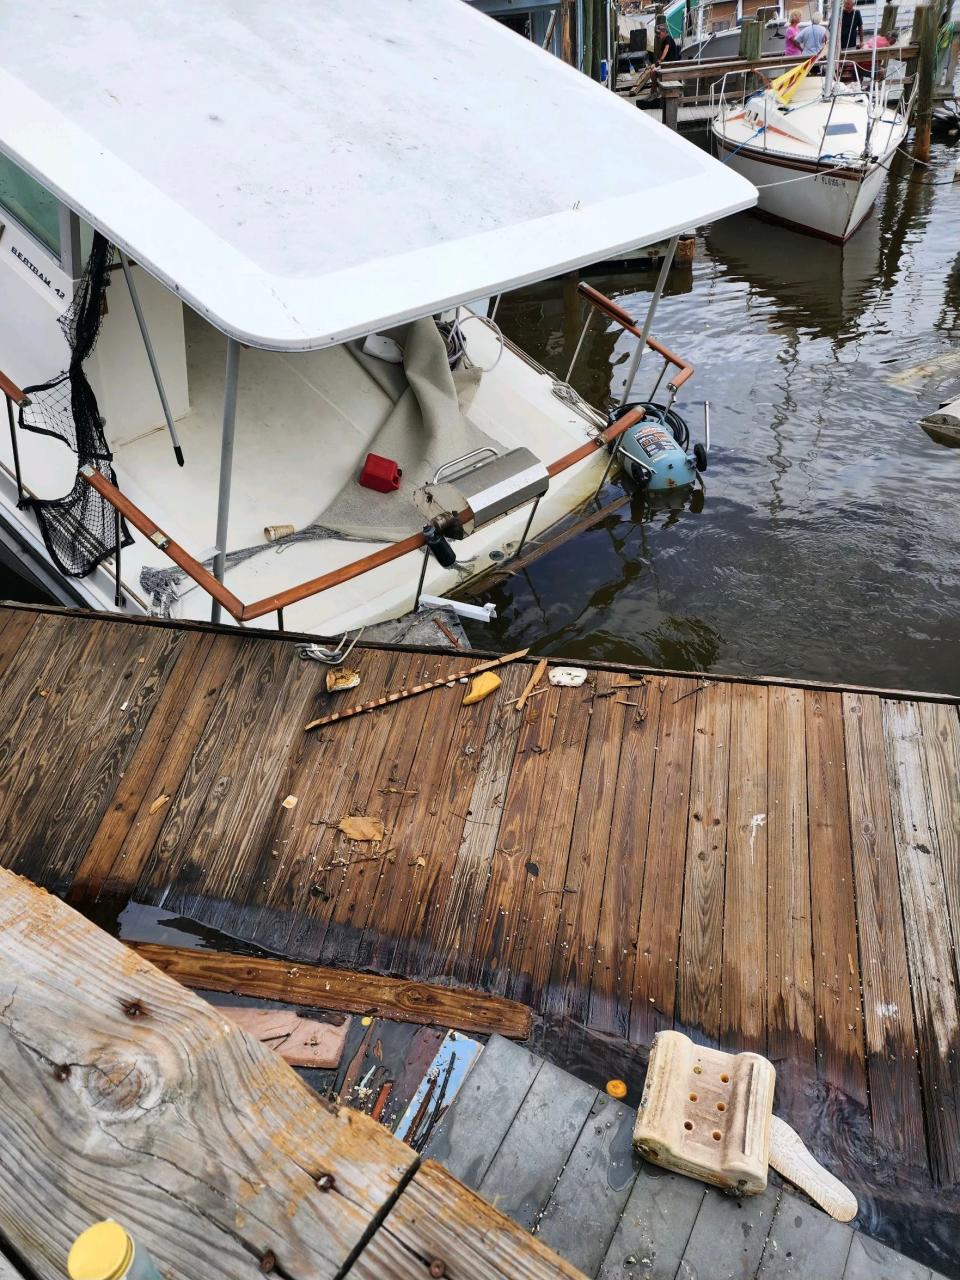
x=828 y=543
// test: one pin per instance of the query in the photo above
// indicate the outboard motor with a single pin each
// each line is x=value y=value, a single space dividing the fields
x=654 y=454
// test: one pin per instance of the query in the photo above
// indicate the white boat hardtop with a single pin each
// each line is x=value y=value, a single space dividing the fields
x=373 y=200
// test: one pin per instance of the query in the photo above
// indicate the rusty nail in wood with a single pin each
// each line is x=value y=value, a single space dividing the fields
x=438 y=1268
x=62 y=1071
x=268 y=1262
x=134 y=1009
x=325 y=1181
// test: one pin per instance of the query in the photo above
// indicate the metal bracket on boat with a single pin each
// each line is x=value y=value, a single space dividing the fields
x=332 y=657
x=487 y=490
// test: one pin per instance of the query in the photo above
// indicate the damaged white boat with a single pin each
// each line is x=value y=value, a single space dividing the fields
x=272 y=224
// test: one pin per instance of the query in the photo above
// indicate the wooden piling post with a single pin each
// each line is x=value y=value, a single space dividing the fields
x=670 y=91
x=567 y=24
x=925 y=36
x=751 y=39
x=888 y=23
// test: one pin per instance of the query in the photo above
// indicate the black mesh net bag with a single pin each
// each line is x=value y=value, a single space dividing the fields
x=81 y=529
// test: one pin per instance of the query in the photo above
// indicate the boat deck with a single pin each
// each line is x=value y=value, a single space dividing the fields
x=764 y=865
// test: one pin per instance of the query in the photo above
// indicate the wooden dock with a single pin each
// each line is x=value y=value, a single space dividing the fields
x=557 y=1157
x=763 y=864
x=125 y=1096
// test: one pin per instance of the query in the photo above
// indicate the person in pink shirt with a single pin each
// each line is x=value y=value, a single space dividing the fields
x=790 y=46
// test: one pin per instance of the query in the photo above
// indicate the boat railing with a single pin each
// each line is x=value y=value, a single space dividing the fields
x=276 y=603
x=736 y=85
x=14 y=397
x=599 y=302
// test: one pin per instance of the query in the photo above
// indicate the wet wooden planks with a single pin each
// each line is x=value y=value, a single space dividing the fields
x=766 y=866
x=558 y=1159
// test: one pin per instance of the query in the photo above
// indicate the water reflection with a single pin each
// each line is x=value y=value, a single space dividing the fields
x=827 y=545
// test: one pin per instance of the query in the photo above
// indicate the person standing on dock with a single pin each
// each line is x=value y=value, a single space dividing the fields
x=669 y=49
x=790 y=37
x=813 y=38
x=851 y=26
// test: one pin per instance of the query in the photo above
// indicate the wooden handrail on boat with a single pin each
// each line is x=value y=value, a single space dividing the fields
x=12 y=391
x=336 y=577
x=180 y=557
x=610 y=308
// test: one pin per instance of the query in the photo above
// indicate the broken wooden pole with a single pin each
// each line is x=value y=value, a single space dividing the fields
x=402 y=694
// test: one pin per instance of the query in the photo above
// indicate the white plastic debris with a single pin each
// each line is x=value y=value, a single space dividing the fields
x=568 y=677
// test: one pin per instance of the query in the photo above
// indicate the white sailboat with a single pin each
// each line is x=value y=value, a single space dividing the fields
x=816 y=147
x=294 y=207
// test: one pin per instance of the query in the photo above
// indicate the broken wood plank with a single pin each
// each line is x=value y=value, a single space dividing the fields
x=469 y=1135
x=303 y=1042
x=531 y=684
x=317 y=987
x=125 y=1095
x=438 y=1220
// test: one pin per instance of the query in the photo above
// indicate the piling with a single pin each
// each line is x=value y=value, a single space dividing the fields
x=924 y=35
x=888 y=23
x=670 y=91
x=751 y=39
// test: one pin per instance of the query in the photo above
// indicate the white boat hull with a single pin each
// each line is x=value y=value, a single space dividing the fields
x=832 y=205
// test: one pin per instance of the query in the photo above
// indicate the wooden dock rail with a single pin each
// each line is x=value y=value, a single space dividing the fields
x=765 y=864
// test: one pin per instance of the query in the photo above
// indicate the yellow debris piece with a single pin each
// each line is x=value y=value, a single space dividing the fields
x=617 y=1088
x=481 y=686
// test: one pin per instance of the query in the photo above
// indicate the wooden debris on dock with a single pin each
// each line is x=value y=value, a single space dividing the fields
x=303 y=1042
x=361 y=827
x=403 y=694
x=531 y=684
x=317 y=987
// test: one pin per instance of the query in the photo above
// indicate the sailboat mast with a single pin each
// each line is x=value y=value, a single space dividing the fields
x=830 y=71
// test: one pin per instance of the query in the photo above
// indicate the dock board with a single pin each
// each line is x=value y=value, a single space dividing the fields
x=617 y=1218
x=764 y=864
x=124 y=1095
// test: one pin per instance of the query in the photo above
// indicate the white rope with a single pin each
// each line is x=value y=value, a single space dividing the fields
x=762 y=186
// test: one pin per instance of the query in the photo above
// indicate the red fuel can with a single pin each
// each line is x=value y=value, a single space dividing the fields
x=381 y=474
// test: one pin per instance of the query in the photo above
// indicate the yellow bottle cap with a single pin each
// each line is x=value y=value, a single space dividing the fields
x=102 y=1252
x=616 y=1088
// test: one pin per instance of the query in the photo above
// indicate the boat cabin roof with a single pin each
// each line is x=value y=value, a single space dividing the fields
x=304 y=174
